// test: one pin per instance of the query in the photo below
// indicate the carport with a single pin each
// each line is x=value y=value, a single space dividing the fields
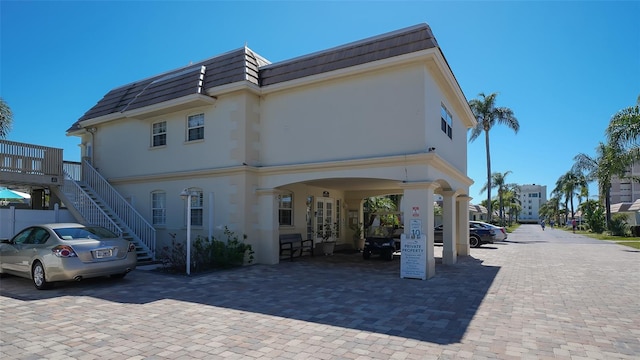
x=345 y=184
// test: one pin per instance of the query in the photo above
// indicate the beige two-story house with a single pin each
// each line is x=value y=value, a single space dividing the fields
x=273 y=148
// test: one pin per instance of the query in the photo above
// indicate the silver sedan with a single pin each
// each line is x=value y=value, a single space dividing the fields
x=61 y=252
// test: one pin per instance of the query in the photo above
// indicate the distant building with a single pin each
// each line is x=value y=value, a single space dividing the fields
x=531 y=198
x=626 y=190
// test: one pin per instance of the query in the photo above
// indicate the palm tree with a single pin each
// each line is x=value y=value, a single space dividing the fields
x=624 y=126
x=583 y=191
x=6 y=119
x=551 y=209
x=512 y=199
x=498 y=180
x=568 y=185
x=559 y=192
x=610 y=161
x=488 y=115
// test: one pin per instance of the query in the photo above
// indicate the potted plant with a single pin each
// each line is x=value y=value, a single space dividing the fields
x=327 y=234
x=358 y=239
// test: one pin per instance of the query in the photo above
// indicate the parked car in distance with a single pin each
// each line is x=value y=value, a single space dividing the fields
x=61 y=252
x=501 y=232
x=477 y=235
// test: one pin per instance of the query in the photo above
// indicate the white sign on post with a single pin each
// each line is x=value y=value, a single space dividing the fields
x=413 y=262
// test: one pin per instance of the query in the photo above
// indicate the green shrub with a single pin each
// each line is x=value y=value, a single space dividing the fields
x=618 y=225
x=208 y=254
x=595 y=217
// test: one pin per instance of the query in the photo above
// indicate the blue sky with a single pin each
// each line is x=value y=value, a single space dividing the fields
x=564 y=68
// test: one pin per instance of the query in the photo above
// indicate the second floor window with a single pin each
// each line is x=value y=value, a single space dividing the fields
x=195 y=127
x=159 y=207
x=445 y=121
x=159 y=134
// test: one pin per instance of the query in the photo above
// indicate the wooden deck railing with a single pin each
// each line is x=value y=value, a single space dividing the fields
x=28 y=160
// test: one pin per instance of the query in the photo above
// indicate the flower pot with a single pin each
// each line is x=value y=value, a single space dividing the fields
x=327 y=247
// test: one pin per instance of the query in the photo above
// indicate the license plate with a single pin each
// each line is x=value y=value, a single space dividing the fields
x=99 y=254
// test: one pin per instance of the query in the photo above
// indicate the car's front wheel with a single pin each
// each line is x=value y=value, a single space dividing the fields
x=38 y=277
x=366 y=254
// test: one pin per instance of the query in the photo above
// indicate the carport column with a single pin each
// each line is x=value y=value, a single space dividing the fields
x=268 y=251
x=417 y=203
x=449 y=228
x=463 y=225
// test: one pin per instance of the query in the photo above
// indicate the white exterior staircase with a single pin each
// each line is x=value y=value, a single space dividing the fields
x=93 y=200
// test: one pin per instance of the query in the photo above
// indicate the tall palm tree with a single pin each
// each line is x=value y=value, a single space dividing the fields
x=610 y=161
x=624 y=126
x=488 y=115
x=6 y=119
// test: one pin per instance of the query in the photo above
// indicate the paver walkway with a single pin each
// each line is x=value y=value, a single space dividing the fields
x=539 y=295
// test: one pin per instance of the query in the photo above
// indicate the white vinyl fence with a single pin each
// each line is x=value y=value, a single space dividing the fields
x=13 y=220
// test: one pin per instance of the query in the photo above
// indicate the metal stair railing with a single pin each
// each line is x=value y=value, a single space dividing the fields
x=134 y=221
x=87 y=207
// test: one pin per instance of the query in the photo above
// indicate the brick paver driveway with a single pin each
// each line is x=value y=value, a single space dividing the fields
x=548 y=294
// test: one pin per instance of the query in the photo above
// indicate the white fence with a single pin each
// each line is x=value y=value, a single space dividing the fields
x=13 y=220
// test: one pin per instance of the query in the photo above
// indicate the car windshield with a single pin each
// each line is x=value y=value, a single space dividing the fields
x=89 y=232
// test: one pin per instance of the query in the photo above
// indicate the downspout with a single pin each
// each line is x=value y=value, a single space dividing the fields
x=92 y=131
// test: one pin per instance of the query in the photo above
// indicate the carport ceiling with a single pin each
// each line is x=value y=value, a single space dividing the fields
x=355 y=184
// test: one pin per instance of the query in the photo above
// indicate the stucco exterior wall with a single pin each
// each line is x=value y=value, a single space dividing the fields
x=228 y=199
x=453 y=150
x=123 y=148
x=376 y=114
x=380 y=113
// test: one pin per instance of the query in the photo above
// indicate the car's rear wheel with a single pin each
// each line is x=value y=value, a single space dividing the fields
x=118 y=276
x=38 y=276
x=474 y=241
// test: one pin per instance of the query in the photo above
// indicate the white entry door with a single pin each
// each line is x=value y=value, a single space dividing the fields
x=324 y=213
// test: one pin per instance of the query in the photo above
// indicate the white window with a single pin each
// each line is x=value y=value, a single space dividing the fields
x=159 y=207
x=197 y=210
x=445 y=121
x=159 y=134
x=285 y=210
x=195 y=127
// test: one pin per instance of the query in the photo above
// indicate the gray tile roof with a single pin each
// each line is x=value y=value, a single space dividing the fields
x=381 y=47
x=244 y=65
